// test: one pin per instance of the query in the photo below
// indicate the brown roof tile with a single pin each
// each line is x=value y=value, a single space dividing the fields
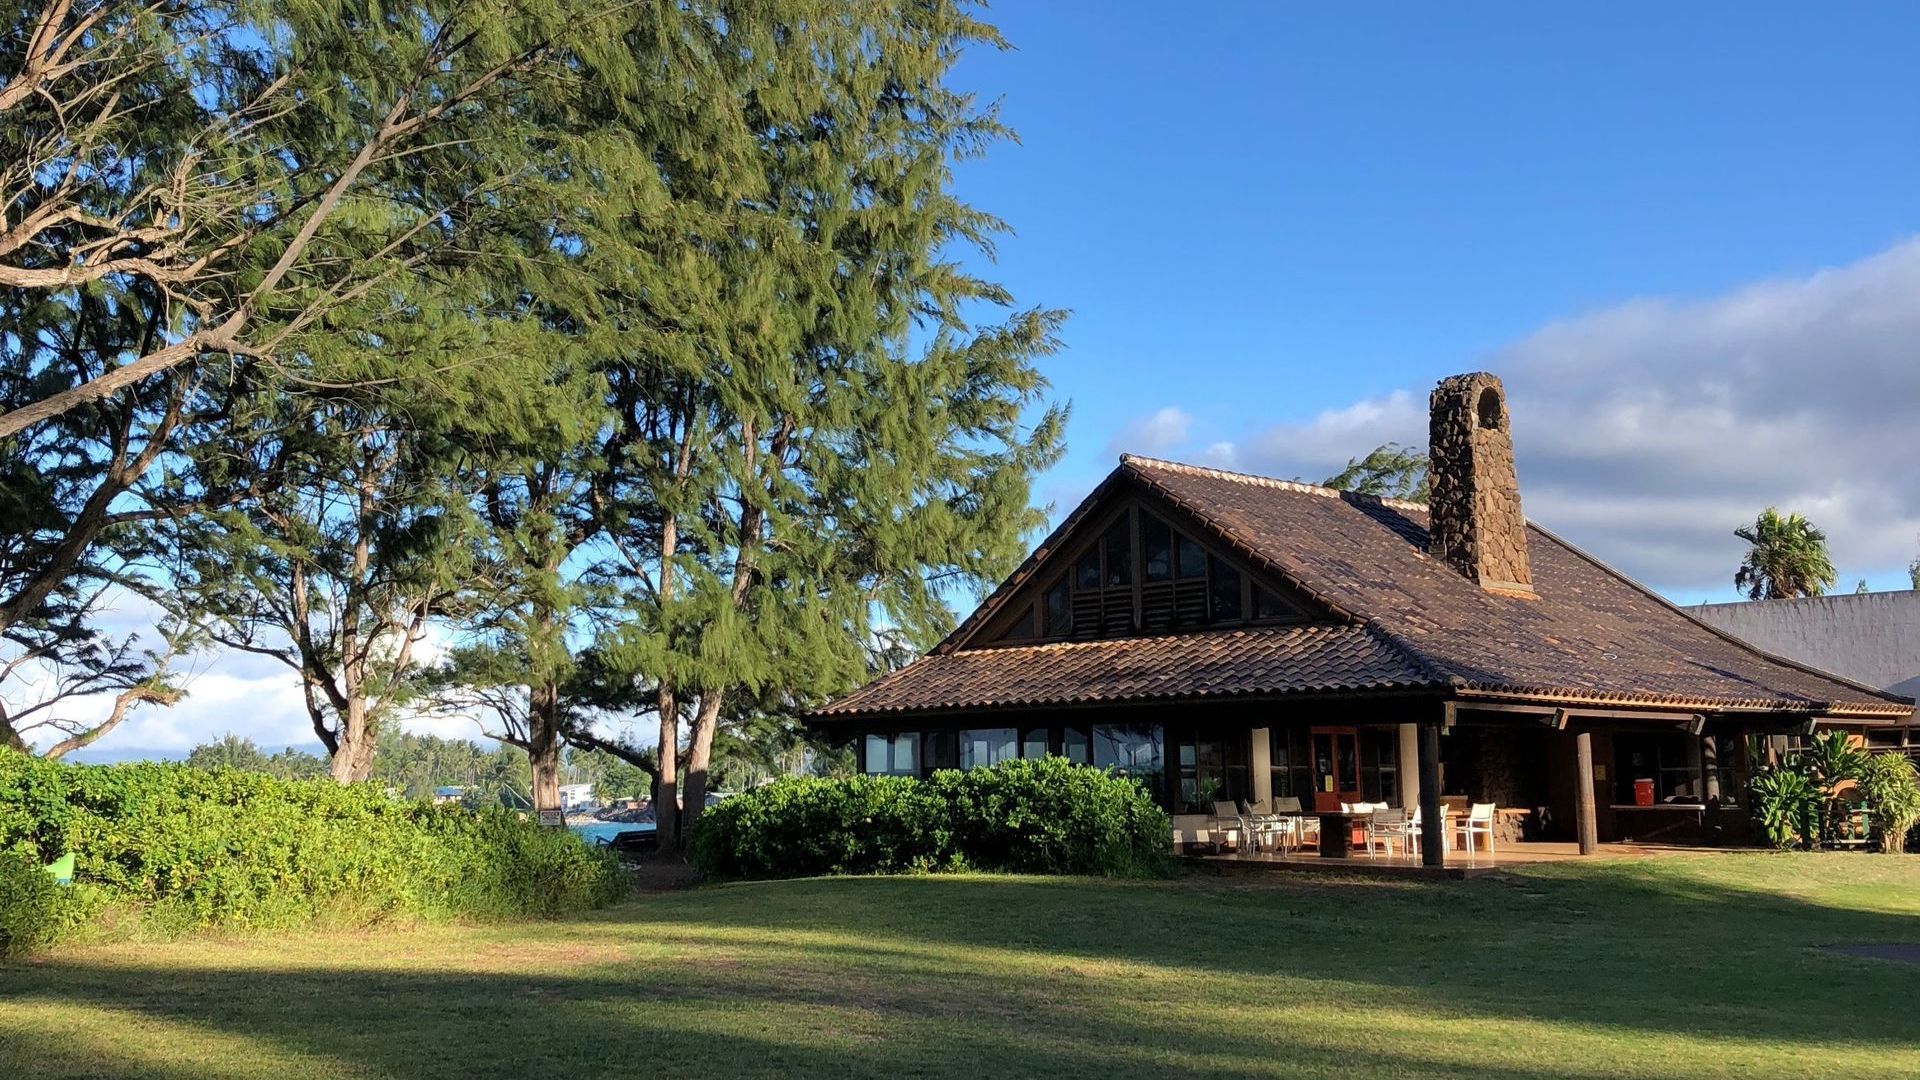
x=1219 y=663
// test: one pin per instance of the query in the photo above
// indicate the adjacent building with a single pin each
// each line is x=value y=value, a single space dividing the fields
x=1223 y=636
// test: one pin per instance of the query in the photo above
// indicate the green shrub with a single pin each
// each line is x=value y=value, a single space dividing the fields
x=194 y=848
x=1786 y=805
x=1033 y=817
x=29 y=905
x=1892 y=789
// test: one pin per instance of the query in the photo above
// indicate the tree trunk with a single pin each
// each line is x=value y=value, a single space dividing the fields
x=666 y=786
x=543 y=746
x=699 y=753
x=353 y=752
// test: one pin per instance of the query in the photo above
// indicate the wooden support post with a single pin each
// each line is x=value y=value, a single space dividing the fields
x=1584 y=812
x=1433 y=835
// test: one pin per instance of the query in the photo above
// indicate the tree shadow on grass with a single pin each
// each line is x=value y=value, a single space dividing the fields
x=985 y=976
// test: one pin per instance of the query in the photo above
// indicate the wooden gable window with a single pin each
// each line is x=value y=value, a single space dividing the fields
x=1140 y=574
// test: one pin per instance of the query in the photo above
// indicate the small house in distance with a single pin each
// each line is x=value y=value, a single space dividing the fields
x=1231 y=637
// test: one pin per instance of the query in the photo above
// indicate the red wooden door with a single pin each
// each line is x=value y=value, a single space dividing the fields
x=1336 y=766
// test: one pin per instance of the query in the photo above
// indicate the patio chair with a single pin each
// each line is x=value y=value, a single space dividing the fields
x=1266 y=829
x=1225 y=821
x=1299 y=823
x=1385 y=828
x=1415 y=833
x=1478 y=822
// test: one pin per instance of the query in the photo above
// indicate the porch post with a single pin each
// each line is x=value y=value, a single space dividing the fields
x=1710 y=769
x=1260 y=764
x=1408 y=751
x=1584 y=813
x=1433 y=839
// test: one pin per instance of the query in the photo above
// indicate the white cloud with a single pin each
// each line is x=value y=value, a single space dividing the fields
x=1150 y=435
x=1646 y=432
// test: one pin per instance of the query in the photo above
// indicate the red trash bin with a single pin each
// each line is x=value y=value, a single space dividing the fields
x=1643 y=792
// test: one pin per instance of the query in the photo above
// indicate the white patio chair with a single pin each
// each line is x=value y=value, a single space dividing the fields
x=1265 y=828
x=1299 y=823
x=1225 y=821
x=1478 y=822
x=1415 y=834
x=1385 y=828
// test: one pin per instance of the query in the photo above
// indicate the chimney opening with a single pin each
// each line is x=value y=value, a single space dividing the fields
x=1489 y=410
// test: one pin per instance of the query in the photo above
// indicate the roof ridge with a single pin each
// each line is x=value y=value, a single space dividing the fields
x=1139 y=460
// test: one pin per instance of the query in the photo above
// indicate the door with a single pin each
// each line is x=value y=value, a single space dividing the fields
x=1336 y=767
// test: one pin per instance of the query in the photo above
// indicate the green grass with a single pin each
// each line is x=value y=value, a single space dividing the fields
x=1703 y=966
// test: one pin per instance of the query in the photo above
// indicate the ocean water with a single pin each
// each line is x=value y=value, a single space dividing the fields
x=603 y=832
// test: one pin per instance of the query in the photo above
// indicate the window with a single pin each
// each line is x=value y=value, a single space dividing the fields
x=1086 y=573
x=1267 y=605
x=893 y=754
x=937 y=751
x=1128 y=750
x=1034 y=743
x=1059 y=609
x=1676 y=765
x=1287 y=754
x=1380 y=764
x=1192 y=559
x=1212 y=769
x=1076 y=745
x=1118 y=546
x=1224 y=593
x=1022 y=625
x=985 y=746
x=1156 y=545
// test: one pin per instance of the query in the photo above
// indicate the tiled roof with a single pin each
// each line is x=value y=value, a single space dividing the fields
x=1396 y=619
x=1218 y=663
x=1590 y=634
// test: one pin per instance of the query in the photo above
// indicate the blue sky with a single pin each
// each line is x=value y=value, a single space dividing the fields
x=1281 y=210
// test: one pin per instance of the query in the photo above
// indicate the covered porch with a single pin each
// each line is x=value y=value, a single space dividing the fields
x=1427 y=771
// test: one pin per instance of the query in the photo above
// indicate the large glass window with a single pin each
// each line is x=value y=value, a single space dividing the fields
x=1086 y=572
x=1156 y=548
x=1118 y=545
x=1128 y=750
x=1287 y=754
x=985 y=746
x=895 y=754
x=1224 y=593
x=1075 y=745
x=1266 y=605
x=1675 y=765
x=1192 y=559
x=1212 y=769
x=1380 y=764
x=1034 y=743
x=1059 y=609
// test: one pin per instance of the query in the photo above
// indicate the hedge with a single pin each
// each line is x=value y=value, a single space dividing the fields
x=1030 y=817
x=185 y=848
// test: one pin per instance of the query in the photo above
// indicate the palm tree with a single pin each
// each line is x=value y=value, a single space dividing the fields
x=1787 y=557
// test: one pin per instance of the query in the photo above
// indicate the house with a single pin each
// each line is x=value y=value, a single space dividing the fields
x=1225 y=636
x=1870 y=638
x=448 y=794
x=573 y=796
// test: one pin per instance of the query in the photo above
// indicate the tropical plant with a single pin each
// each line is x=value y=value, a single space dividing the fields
x=1786 y=557
x=1786 y=805
x=1833 y=764
x=1891 y=785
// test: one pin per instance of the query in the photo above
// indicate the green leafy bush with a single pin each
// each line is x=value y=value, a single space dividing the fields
x=29 y=905
x=1892 y=789
x=1036 y=817
x=193 y=848
x=1786 y=805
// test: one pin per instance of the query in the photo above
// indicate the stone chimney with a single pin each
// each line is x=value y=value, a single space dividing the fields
x=1476 y=523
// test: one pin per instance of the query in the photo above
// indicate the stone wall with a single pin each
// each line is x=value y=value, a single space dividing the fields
x=1477 y=525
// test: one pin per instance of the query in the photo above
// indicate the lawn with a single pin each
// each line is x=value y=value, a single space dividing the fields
x=1678 y=967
